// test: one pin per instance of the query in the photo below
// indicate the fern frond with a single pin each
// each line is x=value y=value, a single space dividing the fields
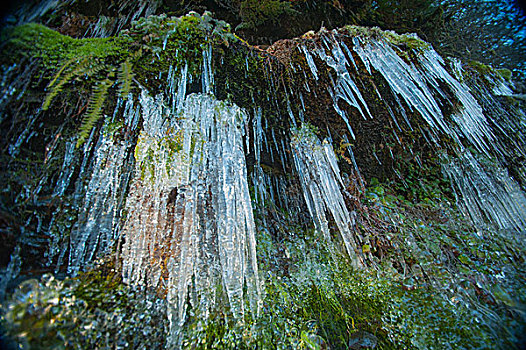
x=68 y=62
x=125 y=77
x=86 y=66
x=94 y=110
x=94 y=68
x=57 y=84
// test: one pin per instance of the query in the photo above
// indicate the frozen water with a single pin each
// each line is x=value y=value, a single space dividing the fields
x=94 y=232
x=487 y=194
x=322 y=188
x=190 y=226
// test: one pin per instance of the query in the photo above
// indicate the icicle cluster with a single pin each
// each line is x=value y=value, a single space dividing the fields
x=487 y=193
x=190 y=228
x=100 y=201
x=95 y=230
x=322 y=187
x=344 y=88
x=420 y=85
x=269 y=186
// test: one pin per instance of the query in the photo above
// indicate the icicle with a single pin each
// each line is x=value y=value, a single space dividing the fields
x=291 y=114
x=284 y=153
x=259 y=135
x=322 y=185
x=359 y=175
x=131 y=115
x=13 y=84
x=278 y=149
x=94 y=232
x=402 y=78
x=349 y=54
x=344 y=88
x=470 y=120
x=310 y=62
x=488 y=194
x=190 y=217
x=207 y=73
x=302 y=102
x=181 y=89
x=24 y=137
x=502 y=88
x=67 y=169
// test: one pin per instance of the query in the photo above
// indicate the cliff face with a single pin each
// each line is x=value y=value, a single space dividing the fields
x=168 y=185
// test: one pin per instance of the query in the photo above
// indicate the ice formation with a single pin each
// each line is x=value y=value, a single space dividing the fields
x=190 y=227
x=322 y=188
x=487 y=193
x=486 y=196
x=96 y=228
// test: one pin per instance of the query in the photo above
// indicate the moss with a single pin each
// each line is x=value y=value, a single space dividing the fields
x=407 y=40
x=505 y=73
x=432 y=242
x=81 y=312
x=166 y=42
x=366 y=32
x=481 y=68
x=150 y=46
x=320 y=295
x=102 y=289
x=54 y=49
x=149 y=49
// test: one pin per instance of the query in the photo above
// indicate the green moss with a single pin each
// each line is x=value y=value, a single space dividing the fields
x=320 y=295
x=80 y=312
x=407 y=40
x=101 y=289
x=174 y=42
x=482 y=68
x=505 y=73
x=432 y=242
x=170 y=41
x=354 y=30
x=54 y=49
x=149 y=49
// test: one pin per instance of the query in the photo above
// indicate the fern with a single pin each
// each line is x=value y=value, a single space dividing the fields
x=125 y=77
x=94 y=111
x=86 y=66
x=68 y=62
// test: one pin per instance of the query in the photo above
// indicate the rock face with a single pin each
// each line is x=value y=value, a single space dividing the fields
x=167 y=185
